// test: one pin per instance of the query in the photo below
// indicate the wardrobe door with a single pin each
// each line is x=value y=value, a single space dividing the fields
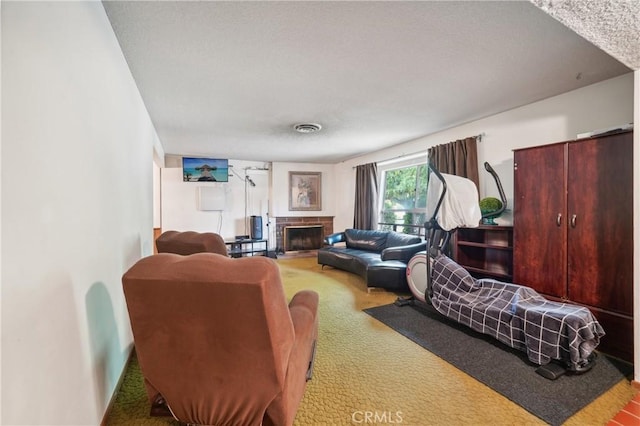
x=600 y=232
x=539 y=231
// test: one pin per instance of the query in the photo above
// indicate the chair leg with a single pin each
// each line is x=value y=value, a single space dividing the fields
x=159 y=408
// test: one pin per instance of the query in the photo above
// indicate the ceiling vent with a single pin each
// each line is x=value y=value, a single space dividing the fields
x=307 y=127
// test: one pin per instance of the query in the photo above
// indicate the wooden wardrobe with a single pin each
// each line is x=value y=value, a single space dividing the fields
x=573 y=229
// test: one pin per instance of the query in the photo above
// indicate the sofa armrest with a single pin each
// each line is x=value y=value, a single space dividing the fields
x=403 y=253
x=338 y=237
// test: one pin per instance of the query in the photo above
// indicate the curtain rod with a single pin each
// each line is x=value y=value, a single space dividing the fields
x=416 y=154
x=398 y=158
x=478 y=137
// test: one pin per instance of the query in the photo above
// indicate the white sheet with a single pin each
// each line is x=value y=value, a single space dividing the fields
x=460 y=207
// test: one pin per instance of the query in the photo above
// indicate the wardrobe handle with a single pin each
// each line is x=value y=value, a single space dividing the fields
x=559 y=219
x=573 y=221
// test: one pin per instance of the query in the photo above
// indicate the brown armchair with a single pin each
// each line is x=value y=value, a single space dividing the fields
x=216 y=339
x=190 y=242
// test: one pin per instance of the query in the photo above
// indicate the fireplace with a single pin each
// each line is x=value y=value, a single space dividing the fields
x=324 y=223
x=304 y=237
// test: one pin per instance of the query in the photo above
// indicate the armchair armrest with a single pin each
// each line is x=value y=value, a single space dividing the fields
x=304 y=315
x=403 y=253
x=307 y=299
x=337 y=237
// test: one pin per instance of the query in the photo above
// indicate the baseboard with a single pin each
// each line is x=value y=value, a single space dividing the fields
x=112 y=400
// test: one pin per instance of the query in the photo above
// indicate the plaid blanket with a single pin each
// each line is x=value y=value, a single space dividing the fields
x=515 y=315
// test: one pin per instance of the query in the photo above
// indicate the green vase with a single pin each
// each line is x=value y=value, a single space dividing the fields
x=489 y=220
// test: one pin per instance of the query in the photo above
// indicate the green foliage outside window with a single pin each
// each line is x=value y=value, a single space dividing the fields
x=405 y=198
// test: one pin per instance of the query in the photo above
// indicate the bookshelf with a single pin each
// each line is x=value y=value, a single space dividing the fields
x=485 y=251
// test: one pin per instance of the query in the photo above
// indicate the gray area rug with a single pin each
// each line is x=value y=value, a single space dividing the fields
x=500 y=367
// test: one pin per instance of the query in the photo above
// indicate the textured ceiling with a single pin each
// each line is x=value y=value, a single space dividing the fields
x=230 y=79
x=613 y=26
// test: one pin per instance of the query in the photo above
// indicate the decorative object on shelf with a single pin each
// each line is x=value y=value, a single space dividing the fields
x=305 y=191
x=491 y=209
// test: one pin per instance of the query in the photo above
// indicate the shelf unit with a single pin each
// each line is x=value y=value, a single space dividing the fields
x=243 y=248
x=485 y=251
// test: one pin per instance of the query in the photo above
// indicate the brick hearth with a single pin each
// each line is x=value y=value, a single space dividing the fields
x=281 y=222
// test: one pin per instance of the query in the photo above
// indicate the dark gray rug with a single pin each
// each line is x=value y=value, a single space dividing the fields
x=500 y=367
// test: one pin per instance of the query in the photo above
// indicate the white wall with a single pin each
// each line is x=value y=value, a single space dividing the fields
x=157 y=196
x=77 y=149
x=560 y=118
x=269 y=198
x=281 y=189
x=180 y=207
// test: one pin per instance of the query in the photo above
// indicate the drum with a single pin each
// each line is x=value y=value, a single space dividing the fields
x=417 y=275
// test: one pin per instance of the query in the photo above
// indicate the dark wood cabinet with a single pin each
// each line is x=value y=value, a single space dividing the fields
x=485 y=251
x=573 y=229
x=539 y=211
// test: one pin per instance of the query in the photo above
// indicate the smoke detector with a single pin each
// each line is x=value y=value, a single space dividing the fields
x=307 y=127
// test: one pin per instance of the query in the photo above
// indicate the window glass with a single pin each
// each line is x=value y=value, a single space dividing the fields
x=404 y=199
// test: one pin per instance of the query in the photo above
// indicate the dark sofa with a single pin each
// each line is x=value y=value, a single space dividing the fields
x=380 y=257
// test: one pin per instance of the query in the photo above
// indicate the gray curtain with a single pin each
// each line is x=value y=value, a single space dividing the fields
x=366 y=209
x=458 y=158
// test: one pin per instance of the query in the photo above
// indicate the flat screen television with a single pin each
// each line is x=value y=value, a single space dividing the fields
x=197 y=169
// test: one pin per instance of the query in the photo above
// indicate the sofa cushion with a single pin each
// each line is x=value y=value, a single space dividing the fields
x=366 y=239
x=395 y=239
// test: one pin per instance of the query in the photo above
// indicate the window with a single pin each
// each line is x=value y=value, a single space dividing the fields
x=404 y=199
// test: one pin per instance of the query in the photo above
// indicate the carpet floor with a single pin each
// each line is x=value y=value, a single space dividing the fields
x=365 y=372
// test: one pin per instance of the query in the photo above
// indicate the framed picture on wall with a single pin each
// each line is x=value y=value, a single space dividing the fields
x=305 y=191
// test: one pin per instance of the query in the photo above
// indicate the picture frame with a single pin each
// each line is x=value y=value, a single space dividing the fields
x=305 y=191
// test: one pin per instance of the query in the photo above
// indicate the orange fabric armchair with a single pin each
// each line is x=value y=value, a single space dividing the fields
x=190 y=242
x=216 y=339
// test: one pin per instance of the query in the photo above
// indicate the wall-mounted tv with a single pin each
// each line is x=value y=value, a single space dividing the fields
x=195 y=169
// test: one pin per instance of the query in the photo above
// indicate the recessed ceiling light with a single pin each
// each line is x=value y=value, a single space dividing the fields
x=307 y=127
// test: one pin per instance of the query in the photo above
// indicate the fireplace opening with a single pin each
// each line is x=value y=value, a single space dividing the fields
x=300 y=238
